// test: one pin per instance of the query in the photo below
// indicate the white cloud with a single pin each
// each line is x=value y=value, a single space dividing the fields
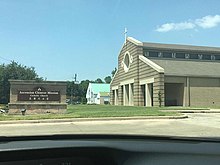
x=204 y=22
x=208 y=21
x=165 y=27
x=175 y=26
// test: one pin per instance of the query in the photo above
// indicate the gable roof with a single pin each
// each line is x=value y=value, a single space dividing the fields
x=189 y=68
x=96 y=87
x=174 y=46
x=181 y=47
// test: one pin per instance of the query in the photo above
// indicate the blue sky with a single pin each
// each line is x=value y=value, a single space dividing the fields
x=63 y=37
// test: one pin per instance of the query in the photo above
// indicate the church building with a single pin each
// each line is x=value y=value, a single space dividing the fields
x=153 y=74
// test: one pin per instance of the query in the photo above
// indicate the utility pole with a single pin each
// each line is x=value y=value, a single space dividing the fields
x=73 y=82
x=75 y=76
x=71 y=97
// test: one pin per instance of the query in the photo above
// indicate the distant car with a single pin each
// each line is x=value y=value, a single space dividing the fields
x=76 y=102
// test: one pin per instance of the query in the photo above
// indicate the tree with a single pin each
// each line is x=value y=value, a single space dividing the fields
x=83 y=89
x=73 y=91
x=98 y=80
x=113 y=72
x=108 y=79
x=160 y=98
x=14 y=71
x=78 y=90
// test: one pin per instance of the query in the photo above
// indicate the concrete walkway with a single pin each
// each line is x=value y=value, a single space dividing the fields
x=196 y=111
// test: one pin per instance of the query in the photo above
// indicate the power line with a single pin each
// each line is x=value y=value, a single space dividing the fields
x=5 y=59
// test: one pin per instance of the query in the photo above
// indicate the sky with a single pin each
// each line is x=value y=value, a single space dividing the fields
x=63 y=37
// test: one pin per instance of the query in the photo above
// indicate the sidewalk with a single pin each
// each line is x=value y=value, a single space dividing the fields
x=183 y=116
x=195 y=111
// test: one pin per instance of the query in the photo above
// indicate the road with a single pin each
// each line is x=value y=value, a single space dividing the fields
x=202 y=125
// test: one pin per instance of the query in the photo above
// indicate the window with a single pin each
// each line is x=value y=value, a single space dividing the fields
x=193 y=56
x=217 y=57
x=153 y=54
x=167 y=55
x=180 y=55
x=206 y=57
x=127 y=61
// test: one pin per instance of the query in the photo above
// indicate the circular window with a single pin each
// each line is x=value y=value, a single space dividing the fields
x=126 y=61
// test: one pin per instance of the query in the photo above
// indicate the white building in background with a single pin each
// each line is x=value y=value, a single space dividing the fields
x=98 y=93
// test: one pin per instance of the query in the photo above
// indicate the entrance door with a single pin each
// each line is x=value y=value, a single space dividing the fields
x=126 y=92
x=122 y=95
x=152 y=92
x=174 y=94
x=143 y=95
x=147 y=94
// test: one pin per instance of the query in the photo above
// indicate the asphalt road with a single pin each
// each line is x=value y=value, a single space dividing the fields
x=202 y=125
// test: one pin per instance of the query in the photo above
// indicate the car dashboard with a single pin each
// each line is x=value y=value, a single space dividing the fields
x=108 y=149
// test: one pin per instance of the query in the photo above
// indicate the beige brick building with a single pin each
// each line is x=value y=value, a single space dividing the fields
x=150 y=74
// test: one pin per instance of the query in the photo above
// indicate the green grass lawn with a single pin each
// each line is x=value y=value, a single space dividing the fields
x=94 y=111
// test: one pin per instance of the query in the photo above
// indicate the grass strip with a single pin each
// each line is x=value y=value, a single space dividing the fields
x=95 y=111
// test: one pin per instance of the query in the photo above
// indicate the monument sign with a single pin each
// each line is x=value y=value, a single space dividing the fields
x=37 y=97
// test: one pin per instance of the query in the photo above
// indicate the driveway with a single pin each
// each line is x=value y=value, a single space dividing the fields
x=198 y=124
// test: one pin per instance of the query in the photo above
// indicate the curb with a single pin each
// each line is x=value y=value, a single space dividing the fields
x=183 y=116
x=193 y=111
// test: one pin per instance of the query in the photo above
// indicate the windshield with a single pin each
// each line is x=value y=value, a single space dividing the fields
x=110 y=67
